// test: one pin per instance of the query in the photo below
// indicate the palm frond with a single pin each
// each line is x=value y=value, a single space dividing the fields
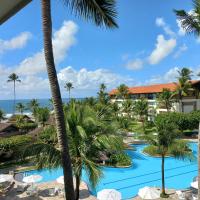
x=102 y=12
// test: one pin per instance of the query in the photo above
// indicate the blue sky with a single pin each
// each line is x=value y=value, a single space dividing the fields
x=148 y=47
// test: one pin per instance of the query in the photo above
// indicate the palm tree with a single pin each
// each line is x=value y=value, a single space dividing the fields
x=191 y=24
x=122 y=91
x=1 y=115
x=127 y=107
x=141 y=109
x=183 y=86
x=102 y=94
x=69 y=86
x=42 y=115
x=102 y=13
x=33 y=105
x=88 y=135
x=166 y=141
x=13 y=78
x=165 y=99
x=20 y=107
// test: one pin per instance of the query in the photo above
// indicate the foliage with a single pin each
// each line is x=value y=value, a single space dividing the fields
x=165 y=99
x=48 y=135
x=33 y=105
x=122 y=91
x=120 y=159
x=42 y=115
x=102 y=95
x=20 y=107
x=2 y=115
x=127 y=107
x=69 y=86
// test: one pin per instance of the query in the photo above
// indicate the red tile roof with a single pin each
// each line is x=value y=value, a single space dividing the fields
x=157 y=88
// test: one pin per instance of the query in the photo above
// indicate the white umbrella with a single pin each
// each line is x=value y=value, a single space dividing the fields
x=32 y=178
x=109 y=194
x=60 y=179
x=194 y=184
x=5 y=177
x=149 y=193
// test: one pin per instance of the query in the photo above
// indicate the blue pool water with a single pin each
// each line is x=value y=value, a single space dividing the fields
x=145 y=171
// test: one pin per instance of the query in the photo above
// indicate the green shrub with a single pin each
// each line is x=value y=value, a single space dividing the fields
x=120 y=159
x=48 y=135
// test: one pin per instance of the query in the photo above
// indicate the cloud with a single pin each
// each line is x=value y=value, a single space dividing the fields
x=161 y=23
x=86 y=83
x=136 y=64
x=181 y=31
x=62 y=40
x=163 y=48
x=17 y=42
x=180 y=50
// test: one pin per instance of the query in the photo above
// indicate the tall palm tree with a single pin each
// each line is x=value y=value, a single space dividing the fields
x=122 y=91
x=13 y=78
x=20 y=107
x=140 y=108
x=165 y=99
x=102 y=13
x=166 y=141
x=33 y=105
x=68 y=86
x=183 y=86
x=190 y=22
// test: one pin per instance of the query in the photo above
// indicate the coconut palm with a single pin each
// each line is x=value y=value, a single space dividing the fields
x=102 y=94
x=140 y=108
x=103 y=14
x=166 y=141
x=190 y=22
x=20 y=107
x=165 y=99
x=42 y=115
x=13 y=78
x=33 y=105
x=127 y=107
x=68 y=86
x=88 y=135
x=183 y=86
x=122 y=91
x=1 y=115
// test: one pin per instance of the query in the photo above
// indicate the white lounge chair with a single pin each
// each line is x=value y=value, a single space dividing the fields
x=194 y=197
x=181 y=195
x=53 y=191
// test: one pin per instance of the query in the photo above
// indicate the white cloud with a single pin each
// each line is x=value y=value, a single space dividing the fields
x=161 y=23
x=63 y=39
x=86 y=83
x=163 y=48
x=181 y=31
x=17 y=42
x=180 y=50
x=136 y=64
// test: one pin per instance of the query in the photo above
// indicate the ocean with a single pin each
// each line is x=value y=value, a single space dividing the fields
x=7 y=105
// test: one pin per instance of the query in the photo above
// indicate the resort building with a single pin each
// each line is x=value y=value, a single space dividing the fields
x=189 y=103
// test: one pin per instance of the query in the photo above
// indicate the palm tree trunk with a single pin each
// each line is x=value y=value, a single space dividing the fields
x=77 y=186
x=14 y=98
x=199 y=163
x=163 y=174
x=57 y=100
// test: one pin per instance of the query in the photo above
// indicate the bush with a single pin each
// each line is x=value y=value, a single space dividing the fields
x=120 y=159
x=10 y=148
x=48 y=135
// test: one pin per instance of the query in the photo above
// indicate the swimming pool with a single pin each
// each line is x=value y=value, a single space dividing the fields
x=145 y=171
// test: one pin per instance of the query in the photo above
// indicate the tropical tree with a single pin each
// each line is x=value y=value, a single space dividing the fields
x=42 y=115
x=13 y=78
x=183 y=86
x=88 y=135
x=20 y=107
x=102 y=94
x=69 y=86
x=102 y=13
x=165 y=99
x=140 y=108
x=122 y=91
x=166 y=141
x=127 y=107
x=33 y=105
x=1 y=115
x=190 y=22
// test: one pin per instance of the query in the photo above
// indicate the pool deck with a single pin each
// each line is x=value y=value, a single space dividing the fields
x=43 y=193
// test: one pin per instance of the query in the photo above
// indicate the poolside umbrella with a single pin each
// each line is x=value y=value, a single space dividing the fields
x=109 y=194
x=32 y=178
x=194 y=184
x=149 y=193
x=5 y=178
